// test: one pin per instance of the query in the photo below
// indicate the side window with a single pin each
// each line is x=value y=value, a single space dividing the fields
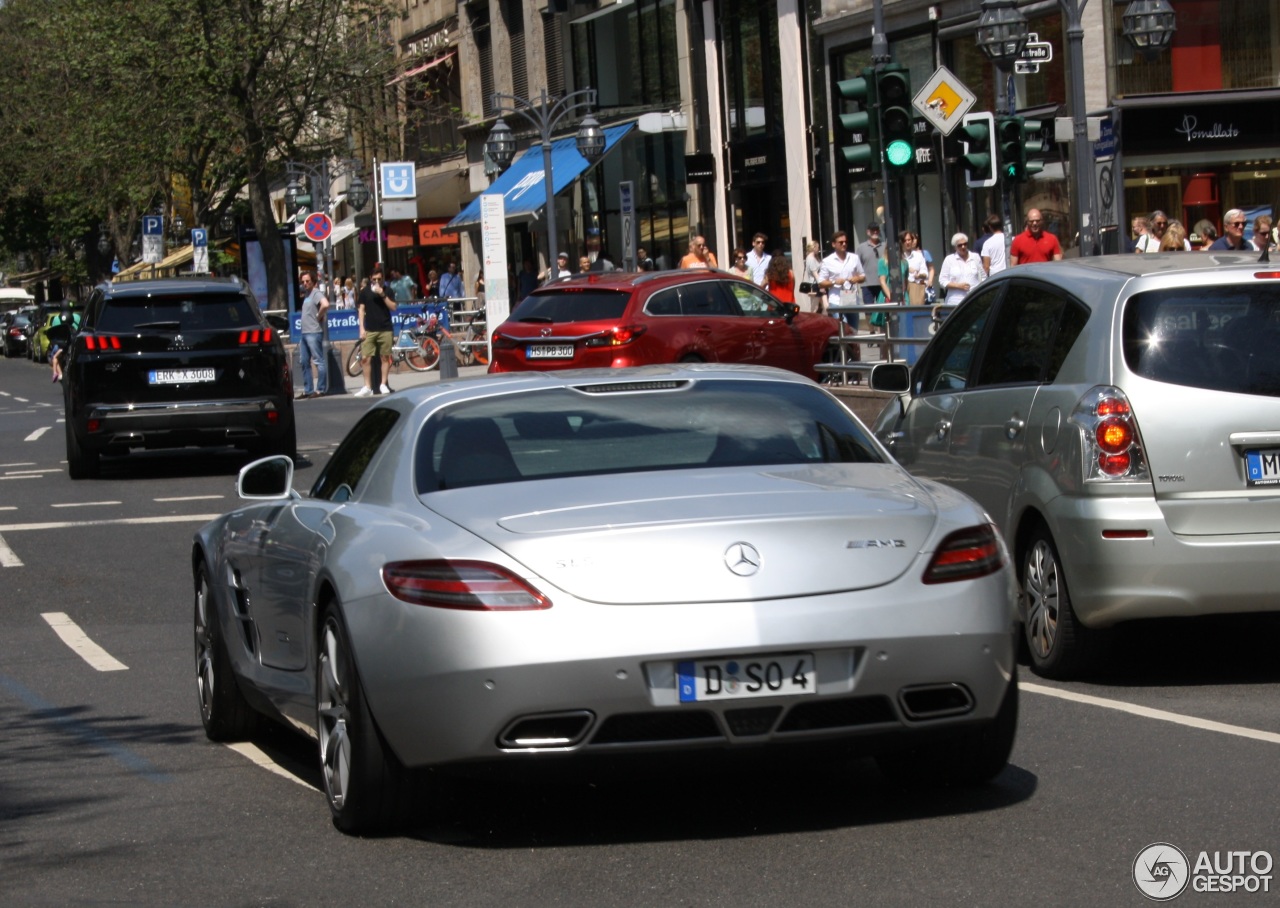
x=664 y=302
x=1074 y=317
x=949 y=362
x=752 y=301
x=1021 y=336
x=92 y=308
x=703 y=298
x=341 y=478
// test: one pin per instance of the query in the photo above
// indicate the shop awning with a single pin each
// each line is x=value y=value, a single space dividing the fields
x=523 y=184
x=165 y=268
x=418 y=70
x=440 y=195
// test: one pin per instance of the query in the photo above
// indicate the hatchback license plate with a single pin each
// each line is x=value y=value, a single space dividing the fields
x=744 y=678
x=1263 y=467
x=179 y=376
x=550 y=351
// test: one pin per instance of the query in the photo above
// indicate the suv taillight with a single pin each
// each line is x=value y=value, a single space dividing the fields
x=1111 y=447
x=252 y=337
x=100 y=342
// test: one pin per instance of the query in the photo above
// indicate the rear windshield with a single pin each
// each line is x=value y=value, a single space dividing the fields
x=572 y=306
x=1220 y=338
x=586 y=432
x=207 y=312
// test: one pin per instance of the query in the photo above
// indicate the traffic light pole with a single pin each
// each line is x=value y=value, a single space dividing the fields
x=880 y=57
x=1081 y=152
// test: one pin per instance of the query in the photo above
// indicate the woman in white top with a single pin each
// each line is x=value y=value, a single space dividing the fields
x=812 y=266
x=961 y=271
x=916 y=268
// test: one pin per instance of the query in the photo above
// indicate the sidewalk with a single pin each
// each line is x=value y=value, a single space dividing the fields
x=342 y=383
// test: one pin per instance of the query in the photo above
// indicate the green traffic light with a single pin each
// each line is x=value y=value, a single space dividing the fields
x=899 y=153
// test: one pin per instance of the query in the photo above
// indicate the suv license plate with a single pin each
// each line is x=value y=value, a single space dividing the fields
x=549 y=351
x=745 y=678
x=178 y=376
x=1263 y=467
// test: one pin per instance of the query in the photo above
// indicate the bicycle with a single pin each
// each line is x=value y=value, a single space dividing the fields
x=473 y=348
x=410 y=347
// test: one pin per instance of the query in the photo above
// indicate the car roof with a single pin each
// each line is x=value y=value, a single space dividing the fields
x=1139 y=265
x=632 y=280
x=189 y=286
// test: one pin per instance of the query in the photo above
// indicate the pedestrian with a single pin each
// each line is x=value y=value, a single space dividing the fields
x=739 y=266
x=916 y=269
x=839 y=277
x=1262 y=233
x=1035 y=244
x=1208 y=236
x=374 y=307
x=584 y=264
x=1175 y=238
x=868 y=253
x=558 y=270
x=451 y=282
x=809 y=278
x=699 y=256
x=603 y=261
x=1139 y=227
x=348 y=294
x=779 y=279
x=993 y=251
x=68 y=321
x=1232 y=239
x=643 y=262
x=315 y=309
x=403 y=286
x=961 y=271
x=479 y=290
x=758 y=259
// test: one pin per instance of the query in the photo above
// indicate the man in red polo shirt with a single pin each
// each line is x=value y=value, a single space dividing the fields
x=1035 y=244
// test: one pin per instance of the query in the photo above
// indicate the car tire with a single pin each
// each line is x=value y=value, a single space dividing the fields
x=81 y=462
x=365 y=785
x=974 y=758
x=1058 y=645
x=287 y=443
x=224 y=712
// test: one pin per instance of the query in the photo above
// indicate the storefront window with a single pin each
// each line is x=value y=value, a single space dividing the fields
x=626 y=56
x=752 y=74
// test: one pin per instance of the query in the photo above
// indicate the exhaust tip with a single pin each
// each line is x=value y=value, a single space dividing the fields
x=547 y=731
x=935 y=701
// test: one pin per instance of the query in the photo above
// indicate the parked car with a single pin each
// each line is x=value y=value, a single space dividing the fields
x=171 y=363
x=1119 y=418
x=616 y=319
x=538 y=569
x=17 y=331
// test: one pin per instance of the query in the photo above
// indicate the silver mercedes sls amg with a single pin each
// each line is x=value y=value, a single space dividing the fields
x=541 y=567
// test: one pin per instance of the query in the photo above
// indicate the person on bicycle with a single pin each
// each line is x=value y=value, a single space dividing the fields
x=373 y=311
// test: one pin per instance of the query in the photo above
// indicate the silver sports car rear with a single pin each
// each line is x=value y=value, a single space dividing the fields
x=541 y=567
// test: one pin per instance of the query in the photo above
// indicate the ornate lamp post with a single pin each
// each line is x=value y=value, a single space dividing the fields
x=1149 y=25
x=545 y=115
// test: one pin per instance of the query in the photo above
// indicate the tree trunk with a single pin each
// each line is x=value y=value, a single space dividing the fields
x=264 y=223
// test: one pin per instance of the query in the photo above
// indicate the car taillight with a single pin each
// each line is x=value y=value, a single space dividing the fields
x=470 y=585
x=965 y=555
x=502 y=342
x=615 y=337
x=250 y=337
x=1112 y=448
x=101 y=342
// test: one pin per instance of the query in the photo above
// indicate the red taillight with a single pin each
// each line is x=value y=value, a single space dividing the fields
x=615 y=337
x=1115 y=464
x=1114 y=435
x=93 y=425
x=1112 y=406
x=1267 y=275
x=255 y=336
x=1109 y=431
x=966 y=555
x=502 y=342
x=101 y=342
x=470 y=585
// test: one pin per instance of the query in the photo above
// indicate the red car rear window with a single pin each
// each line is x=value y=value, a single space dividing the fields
x=572 y=305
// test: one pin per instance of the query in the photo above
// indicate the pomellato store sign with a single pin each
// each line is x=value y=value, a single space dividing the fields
x=1178 y=127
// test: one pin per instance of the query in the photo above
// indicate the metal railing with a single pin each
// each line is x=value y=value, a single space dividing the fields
x=902 y=331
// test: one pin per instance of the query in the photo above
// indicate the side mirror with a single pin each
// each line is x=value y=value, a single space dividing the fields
x=268 y=478
x=789 y=311
x=893 y=377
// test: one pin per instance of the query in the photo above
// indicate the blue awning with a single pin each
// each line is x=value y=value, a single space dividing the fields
x=523 y=185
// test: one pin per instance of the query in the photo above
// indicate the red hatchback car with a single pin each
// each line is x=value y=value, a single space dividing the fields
x=616 y=319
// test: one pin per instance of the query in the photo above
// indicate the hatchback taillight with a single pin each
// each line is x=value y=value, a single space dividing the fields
x=965 y=555
x=1112 y=449
x=468 y=585
x=254 y=336
x=101 y=342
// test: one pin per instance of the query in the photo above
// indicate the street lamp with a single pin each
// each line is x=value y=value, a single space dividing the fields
x=1002 y=32
x=104 y=241
x=545 y=116
x=1149 y=25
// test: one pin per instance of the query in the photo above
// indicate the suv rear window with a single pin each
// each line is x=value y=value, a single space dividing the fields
x=1224 y=338
x=207 y=312
x=572 y=306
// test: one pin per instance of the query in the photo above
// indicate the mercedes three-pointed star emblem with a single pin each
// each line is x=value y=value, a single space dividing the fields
x=742 y=559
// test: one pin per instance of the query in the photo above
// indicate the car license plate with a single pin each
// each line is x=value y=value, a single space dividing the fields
x=1263 y=467
x=179 y=376
x=747 y=677
x=549 y=351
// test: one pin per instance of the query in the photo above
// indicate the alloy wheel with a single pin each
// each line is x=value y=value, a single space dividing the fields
x=1040 y=585
x=334 y=716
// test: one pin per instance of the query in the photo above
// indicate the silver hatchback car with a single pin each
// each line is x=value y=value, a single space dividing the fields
x=1119 y=418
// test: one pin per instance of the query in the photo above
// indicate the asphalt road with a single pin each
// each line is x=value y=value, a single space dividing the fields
x=110 y=793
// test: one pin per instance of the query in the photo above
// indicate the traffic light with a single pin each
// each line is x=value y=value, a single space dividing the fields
x=897 y=122
x=864 y=153
x=1019 y=138
x=977 y=139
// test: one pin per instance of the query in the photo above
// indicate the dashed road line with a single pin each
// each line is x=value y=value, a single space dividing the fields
x=84 y=504
x=8 y=558
x=81 y=645
x=34 y=436
x=119 y=521
x=192 y=498
x=260 y=759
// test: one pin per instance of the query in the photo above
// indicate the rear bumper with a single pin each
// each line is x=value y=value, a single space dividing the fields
x=1163 y=575
x=206 y=423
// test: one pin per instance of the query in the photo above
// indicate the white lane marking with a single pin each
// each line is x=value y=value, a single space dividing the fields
x=81 y=645
x=193 y=498
x=1147 y=712
x=25 y=476
x=23 y=400
x=258 y=758
x=8 y=558
x=37 y=433
x=83 y=504
x=8 y=507
x=32 y=472
x=122 y=521
x=24 y=463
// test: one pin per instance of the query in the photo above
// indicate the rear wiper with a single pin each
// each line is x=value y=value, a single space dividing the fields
x=538 y=318
x=173 y=325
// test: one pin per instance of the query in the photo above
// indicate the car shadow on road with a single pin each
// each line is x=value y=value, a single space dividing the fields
x=181 y=463
x=1181 y=652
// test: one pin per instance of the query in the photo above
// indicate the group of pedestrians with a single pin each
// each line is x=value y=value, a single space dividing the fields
x=1160 y=233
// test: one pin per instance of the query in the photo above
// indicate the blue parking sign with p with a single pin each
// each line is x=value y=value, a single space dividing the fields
x=153 y=225
x=398 y=181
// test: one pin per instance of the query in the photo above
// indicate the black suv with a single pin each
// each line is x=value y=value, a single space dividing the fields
x=171 y=363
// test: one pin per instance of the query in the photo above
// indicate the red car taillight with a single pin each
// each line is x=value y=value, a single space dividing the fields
x=470 y=585
x=98 y=342
x=1109 y=434
x=965 y=555
x=615 y=337
x=502 y=342
x=255 y=336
